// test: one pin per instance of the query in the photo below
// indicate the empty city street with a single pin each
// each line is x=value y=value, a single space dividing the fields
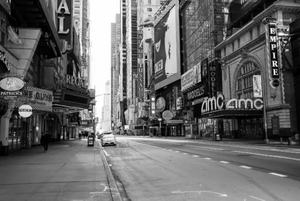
x=177 y=169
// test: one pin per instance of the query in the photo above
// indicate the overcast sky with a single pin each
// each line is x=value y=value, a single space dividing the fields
x=102 y=14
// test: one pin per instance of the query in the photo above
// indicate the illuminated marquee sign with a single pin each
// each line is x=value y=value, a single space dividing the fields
x=75 y=81
x=64 y=15
x=218 y=103
x=272 y=50
x=196 y=93
x=212 y=78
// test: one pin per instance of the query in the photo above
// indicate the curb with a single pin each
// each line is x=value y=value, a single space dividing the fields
x=110 y=178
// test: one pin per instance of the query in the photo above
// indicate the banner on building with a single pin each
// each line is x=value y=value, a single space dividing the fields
x=257 y=88
x=165 y=48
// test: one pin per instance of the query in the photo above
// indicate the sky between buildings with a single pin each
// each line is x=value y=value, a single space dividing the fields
x=102 y=14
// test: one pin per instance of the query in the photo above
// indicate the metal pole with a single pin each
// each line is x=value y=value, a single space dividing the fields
x=159 y=128
x=265 y=85
x=143 y=130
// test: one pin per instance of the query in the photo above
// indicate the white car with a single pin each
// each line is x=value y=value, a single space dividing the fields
x=108 y=139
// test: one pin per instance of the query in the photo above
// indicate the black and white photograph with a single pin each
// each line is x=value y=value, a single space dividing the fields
x=149 y=100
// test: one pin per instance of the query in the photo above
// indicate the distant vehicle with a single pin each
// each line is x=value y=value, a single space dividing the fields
x=100 y=134
x=108 y=138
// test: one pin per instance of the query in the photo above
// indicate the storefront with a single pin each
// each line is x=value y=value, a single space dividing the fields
x=26 y=132
x=70 y=98
x=254 y=65
x=233 y=118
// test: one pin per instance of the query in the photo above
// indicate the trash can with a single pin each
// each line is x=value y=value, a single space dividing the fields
x=90 y=140
x=217 y=136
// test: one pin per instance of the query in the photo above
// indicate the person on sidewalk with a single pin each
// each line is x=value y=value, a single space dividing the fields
x=45 y=140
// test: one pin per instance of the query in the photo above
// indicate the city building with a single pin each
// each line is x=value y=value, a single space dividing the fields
x=131 y=58
x=115 y=72
x=24 y=65
x=145 y=16
x=105 y=120
x=167 y=70
x=201 y=30
x=40 y=53
x=258 y=73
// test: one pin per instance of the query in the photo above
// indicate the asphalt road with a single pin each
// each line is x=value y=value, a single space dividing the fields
x=147 y=169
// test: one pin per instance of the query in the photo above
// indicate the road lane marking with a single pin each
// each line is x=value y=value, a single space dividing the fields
x=212 y=148
x=256 y=198
x=224 y=162
x=200 y=192
x=294 y=151
x=276 y=174
x=106 y=154
x=177 y=151
x=170 y=149
x=185 y=153
x=246 y=167
x=266 y=155
x=207 y=158
x=196 y=156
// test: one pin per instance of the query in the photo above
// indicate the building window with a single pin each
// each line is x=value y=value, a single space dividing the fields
x=149 y=2
x=244 y=83
x=149 y=9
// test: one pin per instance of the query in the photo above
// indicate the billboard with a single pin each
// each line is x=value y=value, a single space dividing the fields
x=166 y=46
x=191 y=77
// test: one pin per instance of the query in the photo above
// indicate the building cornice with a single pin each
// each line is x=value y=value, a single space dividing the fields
x=281 y=5
x=245 y=48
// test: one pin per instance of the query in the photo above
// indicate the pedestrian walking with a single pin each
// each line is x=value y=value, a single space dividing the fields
x=45 y=140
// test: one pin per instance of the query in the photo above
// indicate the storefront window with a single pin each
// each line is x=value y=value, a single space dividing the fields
x=14 y=132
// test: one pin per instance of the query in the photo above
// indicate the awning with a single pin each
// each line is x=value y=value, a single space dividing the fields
x=38 y=99
x=40 y=14
x=72 y=100
x=231 y=114
x=174 y=121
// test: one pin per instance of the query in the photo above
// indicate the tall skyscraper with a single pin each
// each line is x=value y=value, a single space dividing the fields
x=115 y=70
x=106 y=115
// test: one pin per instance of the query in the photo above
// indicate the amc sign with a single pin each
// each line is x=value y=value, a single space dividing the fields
x=219 y=103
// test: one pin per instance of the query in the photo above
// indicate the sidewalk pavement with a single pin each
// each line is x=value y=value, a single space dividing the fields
x=69 y=170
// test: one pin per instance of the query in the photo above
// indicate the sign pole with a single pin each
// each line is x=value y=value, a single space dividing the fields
x=159 y=119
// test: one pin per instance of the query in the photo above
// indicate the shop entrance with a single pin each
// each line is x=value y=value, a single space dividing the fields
x=251 y=128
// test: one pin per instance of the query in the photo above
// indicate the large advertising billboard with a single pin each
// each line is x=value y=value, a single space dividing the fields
x=166 y=46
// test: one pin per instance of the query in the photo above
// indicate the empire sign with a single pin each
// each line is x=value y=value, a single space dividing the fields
x=272 y=50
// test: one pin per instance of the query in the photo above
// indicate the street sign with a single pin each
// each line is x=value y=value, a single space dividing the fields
x=25 y=111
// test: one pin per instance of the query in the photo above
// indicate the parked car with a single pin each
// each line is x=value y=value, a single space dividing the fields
x=108 y=138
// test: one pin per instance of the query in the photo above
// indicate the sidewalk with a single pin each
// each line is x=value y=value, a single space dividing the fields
x=69 y=170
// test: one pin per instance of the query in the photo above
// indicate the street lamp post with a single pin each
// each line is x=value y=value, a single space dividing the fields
x=159 y=120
